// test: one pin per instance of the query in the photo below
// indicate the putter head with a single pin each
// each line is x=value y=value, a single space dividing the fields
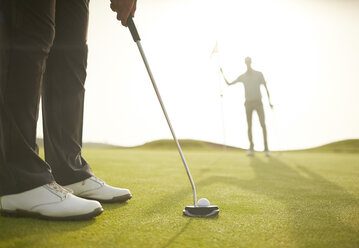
x=202 y=212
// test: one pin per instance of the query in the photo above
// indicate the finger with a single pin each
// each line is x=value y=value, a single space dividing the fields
x=114 y=7
x=123 y=21
x=119 y=17
x=124 y=14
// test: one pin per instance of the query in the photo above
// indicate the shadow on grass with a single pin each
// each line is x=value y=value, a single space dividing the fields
x=311 y=200
x=187 y=191
x=313 y=203
x=14 y=230
x=184 y=228
x=114 y=206
x=209 y=166
x=174 y=237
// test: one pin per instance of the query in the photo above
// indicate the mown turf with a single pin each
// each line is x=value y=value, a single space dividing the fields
x=293 y=199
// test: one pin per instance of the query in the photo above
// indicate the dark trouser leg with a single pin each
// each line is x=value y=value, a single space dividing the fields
x=30 y=34
x=261 y=117
x=249 y=113
x=63 y=93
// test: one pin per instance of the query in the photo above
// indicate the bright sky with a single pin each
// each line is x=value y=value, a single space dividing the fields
x=307 y=50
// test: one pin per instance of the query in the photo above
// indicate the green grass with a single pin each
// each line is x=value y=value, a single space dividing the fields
x=293 y=199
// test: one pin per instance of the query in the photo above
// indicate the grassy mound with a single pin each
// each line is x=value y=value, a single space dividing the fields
x=351 y=146
x=347 y=146
x=185 y=144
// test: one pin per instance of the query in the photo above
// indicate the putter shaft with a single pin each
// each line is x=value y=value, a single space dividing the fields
x=138 y=42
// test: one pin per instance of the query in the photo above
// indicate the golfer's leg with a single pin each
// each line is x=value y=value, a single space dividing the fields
x=63 y=103
x=4 y=43
x=26 y=184
x=249 y=113
x=30 y=34
x=63 y=93
x=261 y=117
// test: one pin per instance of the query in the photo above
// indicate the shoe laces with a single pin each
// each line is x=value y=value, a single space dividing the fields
x=93 y=178
x=59 y=189
x=98 y=180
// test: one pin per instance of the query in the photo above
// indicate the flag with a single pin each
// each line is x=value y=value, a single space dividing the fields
x=215 y=49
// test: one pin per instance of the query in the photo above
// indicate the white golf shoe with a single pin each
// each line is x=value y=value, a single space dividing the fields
x=49 y=201
x=267 y=153
x=96 y=189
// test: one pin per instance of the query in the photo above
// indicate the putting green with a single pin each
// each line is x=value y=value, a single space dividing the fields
x=292 y=199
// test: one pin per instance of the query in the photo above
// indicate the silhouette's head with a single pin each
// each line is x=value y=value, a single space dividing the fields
x=248 y=61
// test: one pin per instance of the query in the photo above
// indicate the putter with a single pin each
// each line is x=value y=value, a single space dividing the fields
x=191 y=211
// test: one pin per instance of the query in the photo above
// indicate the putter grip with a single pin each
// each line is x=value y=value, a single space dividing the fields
x=131 y=25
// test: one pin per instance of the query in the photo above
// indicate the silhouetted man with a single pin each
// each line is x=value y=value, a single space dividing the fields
x=252 y=80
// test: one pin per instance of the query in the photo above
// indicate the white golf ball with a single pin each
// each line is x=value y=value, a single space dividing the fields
x=203 y=202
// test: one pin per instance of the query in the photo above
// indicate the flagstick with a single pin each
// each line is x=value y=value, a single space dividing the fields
x=222 y=101
x=222 y=112
x=216 y=52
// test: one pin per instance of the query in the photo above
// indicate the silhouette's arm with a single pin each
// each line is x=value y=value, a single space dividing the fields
x=228 y=83
x=263 y=81
x=270 y=103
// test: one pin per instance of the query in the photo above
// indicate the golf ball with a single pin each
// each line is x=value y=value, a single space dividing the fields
x=203 y=202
